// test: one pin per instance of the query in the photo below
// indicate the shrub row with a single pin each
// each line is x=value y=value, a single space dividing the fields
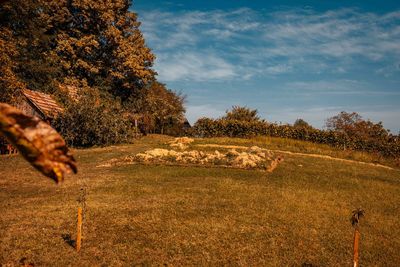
x=388 y=146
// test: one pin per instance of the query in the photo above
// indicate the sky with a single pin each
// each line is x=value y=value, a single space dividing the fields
x=287 y=59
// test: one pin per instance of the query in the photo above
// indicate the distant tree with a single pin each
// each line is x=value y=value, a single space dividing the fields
x=160 y=107
x=343 y=122
x=369 y=130
x=353 y=125
x=300 y=123
x=241 y=114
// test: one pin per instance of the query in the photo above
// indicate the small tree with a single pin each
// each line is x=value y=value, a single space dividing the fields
x=302 y=124
x=160 y=107
x=353 y=125
x=241 y=114
x=343 y=122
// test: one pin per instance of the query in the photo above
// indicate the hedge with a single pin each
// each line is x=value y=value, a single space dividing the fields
x=388 y=146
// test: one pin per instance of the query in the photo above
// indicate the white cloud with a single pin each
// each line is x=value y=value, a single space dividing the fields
x=278 y=69
x=252 y=43
x=338 y=33
x=302 y=51
x=194 y=66
x=343 y=87
x=191 y=27
x=325 y=87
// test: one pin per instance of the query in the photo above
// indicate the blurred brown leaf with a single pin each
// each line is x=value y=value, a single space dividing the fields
x=38 y=142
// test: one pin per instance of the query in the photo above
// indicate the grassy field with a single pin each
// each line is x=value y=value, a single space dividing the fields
x=191 y=216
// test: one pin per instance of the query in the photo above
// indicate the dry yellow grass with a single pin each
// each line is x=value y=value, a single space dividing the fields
x=186 y=216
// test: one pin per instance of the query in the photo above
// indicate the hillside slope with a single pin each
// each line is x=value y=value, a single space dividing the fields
x=151 y=215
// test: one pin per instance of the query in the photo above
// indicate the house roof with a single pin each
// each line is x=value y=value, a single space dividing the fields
x=44 y=102
x=71 y=90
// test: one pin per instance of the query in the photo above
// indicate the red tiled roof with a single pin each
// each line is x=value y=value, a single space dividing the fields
x=71 y=90
x=44 y=102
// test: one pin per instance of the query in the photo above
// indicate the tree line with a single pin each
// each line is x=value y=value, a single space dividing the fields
x=96 y=47
x=347 y=131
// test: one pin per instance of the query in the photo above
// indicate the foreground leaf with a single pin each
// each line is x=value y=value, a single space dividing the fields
x=39 y=143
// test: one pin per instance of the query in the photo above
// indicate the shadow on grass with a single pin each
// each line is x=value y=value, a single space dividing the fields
x=67 y=238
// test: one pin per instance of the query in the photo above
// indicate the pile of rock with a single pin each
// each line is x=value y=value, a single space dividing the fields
x=181 y=143
x=253 y=158
x=250 y=158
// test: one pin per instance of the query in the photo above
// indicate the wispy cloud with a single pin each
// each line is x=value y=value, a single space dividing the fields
x=336 y=87
x=290 y=63
x=337 y=34
x=245 y=42
x=193 y=66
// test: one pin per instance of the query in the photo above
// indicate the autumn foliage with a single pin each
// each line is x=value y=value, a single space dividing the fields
x=364 y=135
x=90 y=45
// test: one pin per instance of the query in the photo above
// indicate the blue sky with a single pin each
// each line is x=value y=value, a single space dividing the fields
x=287 y=59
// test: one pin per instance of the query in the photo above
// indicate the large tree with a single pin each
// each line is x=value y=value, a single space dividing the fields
x=93 y=45
x=97 y=43
x=10 y=86
x=100 y=42
x=29 y=43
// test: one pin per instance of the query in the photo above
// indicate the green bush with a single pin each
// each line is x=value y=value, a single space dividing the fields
x=93 y=121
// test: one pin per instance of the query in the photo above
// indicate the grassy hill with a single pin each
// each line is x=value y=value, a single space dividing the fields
x=154 y=215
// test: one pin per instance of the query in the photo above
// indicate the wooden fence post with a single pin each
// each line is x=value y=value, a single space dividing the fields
x=355 y=219
x=79 y=230
x=356 y=254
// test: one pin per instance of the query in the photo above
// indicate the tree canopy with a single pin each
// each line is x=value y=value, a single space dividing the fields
x=302 y=124
x=97 y=43
x=95 y=46
x=161 y=107
x=241 y=114
x=353 y=125
x=10 y=86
